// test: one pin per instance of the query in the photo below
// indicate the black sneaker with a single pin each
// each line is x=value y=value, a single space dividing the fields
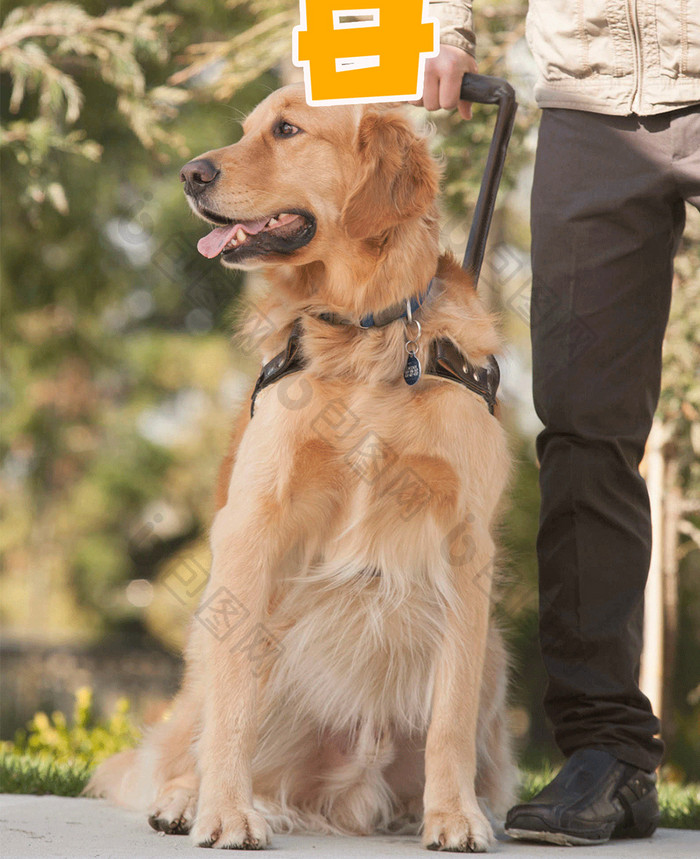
x=594 y=798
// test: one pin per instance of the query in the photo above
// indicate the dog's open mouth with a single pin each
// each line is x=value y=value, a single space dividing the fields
x=237 y=239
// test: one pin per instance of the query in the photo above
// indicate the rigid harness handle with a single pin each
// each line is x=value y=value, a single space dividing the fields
x=483 y=89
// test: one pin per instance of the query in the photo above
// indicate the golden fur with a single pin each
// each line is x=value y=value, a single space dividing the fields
x=380 y=703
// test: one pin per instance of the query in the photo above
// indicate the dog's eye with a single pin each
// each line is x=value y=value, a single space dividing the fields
x=285 y=129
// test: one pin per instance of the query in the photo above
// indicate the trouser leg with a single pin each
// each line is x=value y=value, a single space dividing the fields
x=606 y=219
x=685 y=136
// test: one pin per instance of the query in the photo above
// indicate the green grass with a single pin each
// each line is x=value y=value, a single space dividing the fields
x=56 y=755
x=32 y=774
x=26 y=773
x=680 y=805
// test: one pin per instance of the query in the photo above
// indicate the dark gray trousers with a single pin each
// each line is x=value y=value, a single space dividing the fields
x=608 y=210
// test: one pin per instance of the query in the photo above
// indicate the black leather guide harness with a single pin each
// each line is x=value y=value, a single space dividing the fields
x=445 y=361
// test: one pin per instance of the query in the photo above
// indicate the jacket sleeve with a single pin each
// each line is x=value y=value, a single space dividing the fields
x=456 y=23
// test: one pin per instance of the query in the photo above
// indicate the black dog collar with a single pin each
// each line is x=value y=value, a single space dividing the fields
x=384 y=317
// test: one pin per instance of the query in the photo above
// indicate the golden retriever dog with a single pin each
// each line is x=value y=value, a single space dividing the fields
x=343 y=671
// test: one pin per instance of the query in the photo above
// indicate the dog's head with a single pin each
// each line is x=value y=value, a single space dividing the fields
x=304 y=179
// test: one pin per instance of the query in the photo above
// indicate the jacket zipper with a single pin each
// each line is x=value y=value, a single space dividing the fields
x=635 y=29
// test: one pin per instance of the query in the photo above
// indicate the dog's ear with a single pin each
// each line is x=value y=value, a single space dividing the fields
x=397 y=179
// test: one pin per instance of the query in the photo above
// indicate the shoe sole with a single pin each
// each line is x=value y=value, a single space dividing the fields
x=563 y=839
x=641 y=831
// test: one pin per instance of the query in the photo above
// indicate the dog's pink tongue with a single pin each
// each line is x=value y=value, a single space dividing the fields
x=212 y=245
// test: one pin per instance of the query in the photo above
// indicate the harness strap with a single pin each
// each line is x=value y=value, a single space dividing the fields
x=444 y=361
x=289 y=360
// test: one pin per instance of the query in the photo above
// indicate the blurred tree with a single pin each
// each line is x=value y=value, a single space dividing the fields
x=119 y=373
x=224 y=65
x=39 y=48
x=673 y=477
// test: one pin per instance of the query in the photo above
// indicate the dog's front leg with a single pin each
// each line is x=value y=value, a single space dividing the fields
x=452 y=817
x=244 y=549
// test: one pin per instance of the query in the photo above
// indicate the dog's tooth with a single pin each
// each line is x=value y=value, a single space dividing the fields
x=272 y=222
x=240 y=235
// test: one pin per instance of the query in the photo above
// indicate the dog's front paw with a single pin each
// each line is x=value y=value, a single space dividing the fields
x=231 y=829
x=173 y=811
x=458 y=832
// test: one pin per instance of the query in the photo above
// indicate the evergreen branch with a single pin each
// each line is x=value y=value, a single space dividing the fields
x=232 y=51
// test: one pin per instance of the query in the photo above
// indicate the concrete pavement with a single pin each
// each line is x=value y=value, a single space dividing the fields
x=53 y=827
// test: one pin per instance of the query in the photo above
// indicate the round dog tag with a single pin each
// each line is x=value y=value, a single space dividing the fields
x=412 y=372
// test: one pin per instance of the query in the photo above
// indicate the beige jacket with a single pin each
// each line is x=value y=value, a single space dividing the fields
x=606 y=56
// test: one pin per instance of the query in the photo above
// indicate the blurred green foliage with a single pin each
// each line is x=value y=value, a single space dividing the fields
x=56 y=756
x=117 y=371
x=85 y=740
x=38 y=47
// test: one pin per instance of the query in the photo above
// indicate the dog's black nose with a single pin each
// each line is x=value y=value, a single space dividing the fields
x=197 y=174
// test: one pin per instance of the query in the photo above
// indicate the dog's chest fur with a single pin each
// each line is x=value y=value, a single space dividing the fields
x=358 y=607
x=349 y=652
